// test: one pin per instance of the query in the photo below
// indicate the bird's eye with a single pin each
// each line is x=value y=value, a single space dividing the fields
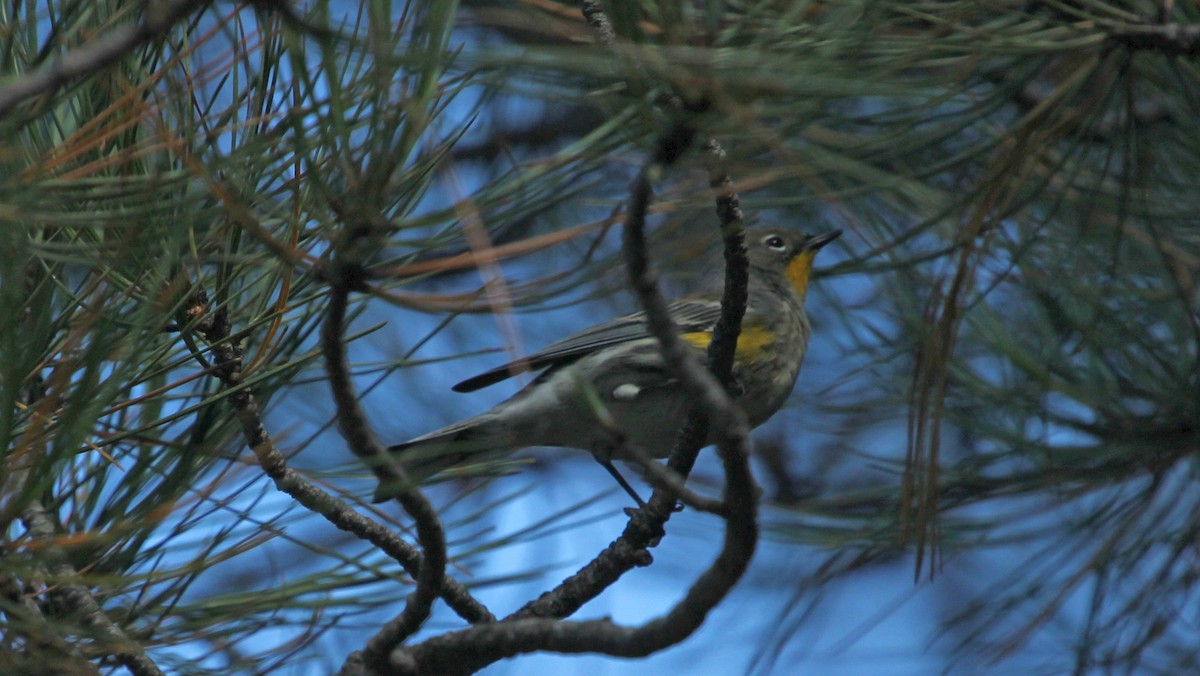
x=775 y=243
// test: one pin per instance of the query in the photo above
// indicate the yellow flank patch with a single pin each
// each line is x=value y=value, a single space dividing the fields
x=751 y=341
x=798 y=271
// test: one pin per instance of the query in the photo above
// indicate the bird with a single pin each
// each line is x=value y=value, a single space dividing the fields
x=607 y=387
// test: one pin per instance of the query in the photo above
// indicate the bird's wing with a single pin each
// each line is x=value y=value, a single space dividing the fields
x=688 y=314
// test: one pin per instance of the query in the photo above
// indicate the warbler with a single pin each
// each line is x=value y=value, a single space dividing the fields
x=614 y=372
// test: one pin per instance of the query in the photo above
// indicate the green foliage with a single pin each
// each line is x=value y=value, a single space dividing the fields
x=1017 y=294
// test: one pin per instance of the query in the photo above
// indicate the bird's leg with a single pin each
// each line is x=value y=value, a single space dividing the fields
x=607 y=464
x=602 y=451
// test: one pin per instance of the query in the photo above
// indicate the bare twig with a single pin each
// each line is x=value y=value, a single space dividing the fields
x=229 y=363
x=593 y=12
x=1172 y=39
x=42 y=642
x=103 y=51
x=362 y=441
x=72 y=600
x=78 y=599
x=737 y=267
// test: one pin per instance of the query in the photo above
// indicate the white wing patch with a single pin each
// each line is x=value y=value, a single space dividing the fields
x=626 y=392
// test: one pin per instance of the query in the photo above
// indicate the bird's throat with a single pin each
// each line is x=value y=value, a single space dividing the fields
x=798 y=271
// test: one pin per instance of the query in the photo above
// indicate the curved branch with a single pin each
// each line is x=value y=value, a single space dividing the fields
x=534 y=627
x=352 y=422
x=468 y=650
x=245 y=407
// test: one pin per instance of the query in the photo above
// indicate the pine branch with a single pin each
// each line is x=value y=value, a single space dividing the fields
x=229 y=358
x=99 y=53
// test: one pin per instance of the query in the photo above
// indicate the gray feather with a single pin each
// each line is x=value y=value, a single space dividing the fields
x=688 y=314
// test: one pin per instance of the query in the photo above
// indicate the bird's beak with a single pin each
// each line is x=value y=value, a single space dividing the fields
x=819 y=241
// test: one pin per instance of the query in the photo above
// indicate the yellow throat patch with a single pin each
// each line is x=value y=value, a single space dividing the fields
x=798 y=271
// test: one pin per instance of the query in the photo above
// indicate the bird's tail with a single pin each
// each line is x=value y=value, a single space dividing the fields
x=438 y=451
